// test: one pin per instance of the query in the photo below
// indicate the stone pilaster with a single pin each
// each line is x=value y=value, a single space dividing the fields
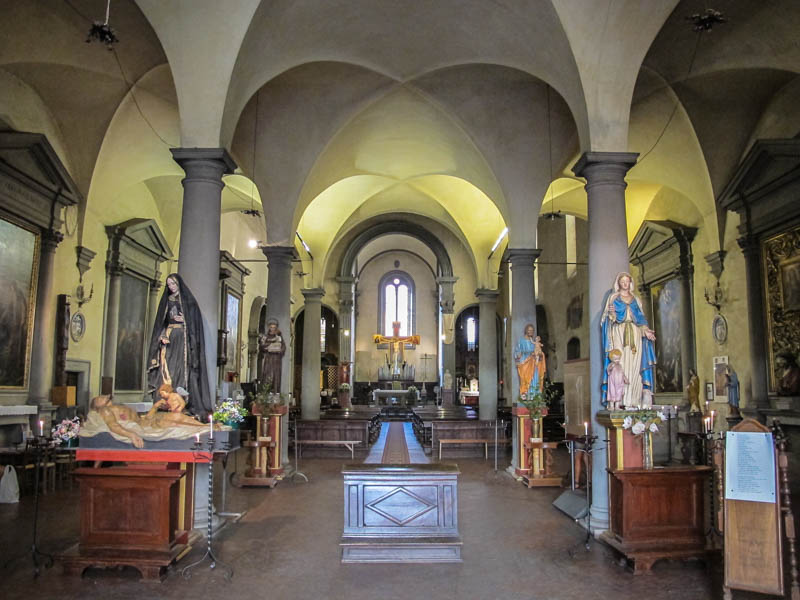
x=152 y=309
x=310 y=395
x=44 y=324
x=279 y=290
x=487 y=353
x=759 y=387
x=608 y=255
x=686 y=280
x=200 y=234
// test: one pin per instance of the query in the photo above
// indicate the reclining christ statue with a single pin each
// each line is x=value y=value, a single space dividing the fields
x=125 y=425
x=396 y=346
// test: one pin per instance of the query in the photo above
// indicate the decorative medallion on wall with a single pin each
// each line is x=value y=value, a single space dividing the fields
x=782 y=290
x=719 y=329
x=77 y=327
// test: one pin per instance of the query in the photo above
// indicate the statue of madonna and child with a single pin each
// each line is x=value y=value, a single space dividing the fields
x=629 y=352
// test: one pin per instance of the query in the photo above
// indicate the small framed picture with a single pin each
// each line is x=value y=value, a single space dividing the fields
x=709 y=391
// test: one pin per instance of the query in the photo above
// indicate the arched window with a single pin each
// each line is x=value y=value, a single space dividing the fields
x=397 y=303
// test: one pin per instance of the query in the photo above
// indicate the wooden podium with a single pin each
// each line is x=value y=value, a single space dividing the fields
x=657 y=513
x=129 y=516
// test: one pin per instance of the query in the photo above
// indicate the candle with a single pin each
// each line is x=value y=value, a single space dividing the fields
x=196 y=438
x=211 y=427
x=585 y=428
x=676 y=410
x=41 y=428
x=712 y=420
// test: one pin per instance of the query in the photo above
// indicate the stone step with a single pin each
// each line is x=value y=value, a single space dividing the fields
x=356 y=549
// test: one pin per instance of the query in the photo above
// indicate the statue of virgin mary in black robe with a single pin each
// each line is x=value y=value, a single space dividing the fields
x=177 y=348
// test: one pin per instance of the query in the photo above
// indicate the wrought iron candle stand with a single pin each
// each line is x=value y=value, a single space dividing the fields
x=588 y=448
x=214 y=562
x=781 y=443
x=714 y=456
x=40 y=559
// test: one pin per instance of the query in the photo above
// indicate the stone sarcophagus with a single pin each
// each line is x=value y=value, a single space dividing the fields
x=400 y=513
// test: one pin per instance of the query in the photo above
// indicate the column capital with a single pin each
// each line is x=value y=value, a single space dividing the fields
x=521 y=257
x=312 y=294
x=278 y=256
x=446 y=280
x=486 y=295
x=750 y=245
x=115 y=269
x=51 y=239
x=591 y=163
x=204 y=163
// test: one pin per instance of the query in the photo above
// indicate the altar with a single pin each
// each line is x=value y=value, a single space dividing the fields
x=400 y=397
x=468 y=398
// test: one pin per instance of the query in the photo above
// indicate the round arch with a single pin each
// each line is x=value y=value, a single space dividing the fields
x=414 y=230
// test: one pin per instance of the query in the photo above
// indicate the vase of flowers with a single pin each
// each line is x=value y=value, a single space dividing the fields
x=644 y=423
x=537 y=408
x=230 y=413
x=66 y=432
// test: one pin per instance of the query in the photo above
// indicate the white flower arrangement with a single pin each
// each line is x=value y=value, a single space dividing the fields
x=66 y=430
x=643 y=420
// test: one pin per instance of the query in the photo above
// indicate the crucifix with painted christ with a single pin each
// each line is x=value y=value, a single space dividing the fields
x=396 y=346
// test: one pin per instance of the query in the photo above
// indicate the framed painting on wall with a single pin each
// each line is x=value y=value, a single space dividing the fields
x=233 y=325
x=19 y=264
x=720 y=379
x=129 y=371
x=790 y=284
x=666 y=322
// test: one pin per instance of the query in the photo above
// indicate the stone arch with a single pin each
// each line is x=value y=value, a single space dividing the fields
x=414 y=230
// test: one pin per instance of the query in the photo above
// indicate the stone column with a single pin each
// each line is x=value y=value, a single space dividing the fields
x=43 y=344
x=112 y=321
x=487 y=353
x=751 y=248
x=311 y=353
x=608 y=255
x=279 y=289
x=447 y=301
x=199 y=247
x=523 y=311
x=346 y=303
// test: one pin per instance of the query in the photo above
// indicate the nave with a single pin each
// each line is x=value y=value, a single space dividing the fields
x=516 y=546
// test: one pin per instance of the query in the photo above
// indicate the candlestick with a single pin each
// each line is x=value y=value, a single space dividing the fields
x=41 y=428
x=585 y=428
x=211 y=427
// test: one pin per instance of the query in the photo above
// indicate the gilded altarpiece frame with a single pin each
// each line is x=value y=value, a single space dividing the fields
x=781 y=255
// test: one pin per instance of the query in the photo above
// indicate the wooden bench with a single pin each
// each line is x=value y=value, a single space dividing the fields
x=484 y=441
x=349 y=444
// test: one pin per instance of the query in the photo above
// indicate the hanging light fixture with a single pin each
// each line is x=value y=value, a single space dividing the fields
x=253 y=211
x=103 y=32
x=552 y=215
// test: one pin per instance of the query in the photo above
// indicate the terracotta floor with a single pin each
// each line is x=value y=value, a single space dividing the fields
x=516 y=546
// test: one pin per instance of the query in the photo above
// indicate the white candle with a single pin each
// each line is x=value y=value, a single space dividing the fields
x=197 y=438
x=210 y=426
x=712 y=420
x=585 y=428
x=41 y=428
x=676 y=410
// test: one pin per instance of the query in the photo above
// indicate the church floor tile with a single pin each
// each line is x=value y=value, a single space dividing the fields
x=516 y=546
